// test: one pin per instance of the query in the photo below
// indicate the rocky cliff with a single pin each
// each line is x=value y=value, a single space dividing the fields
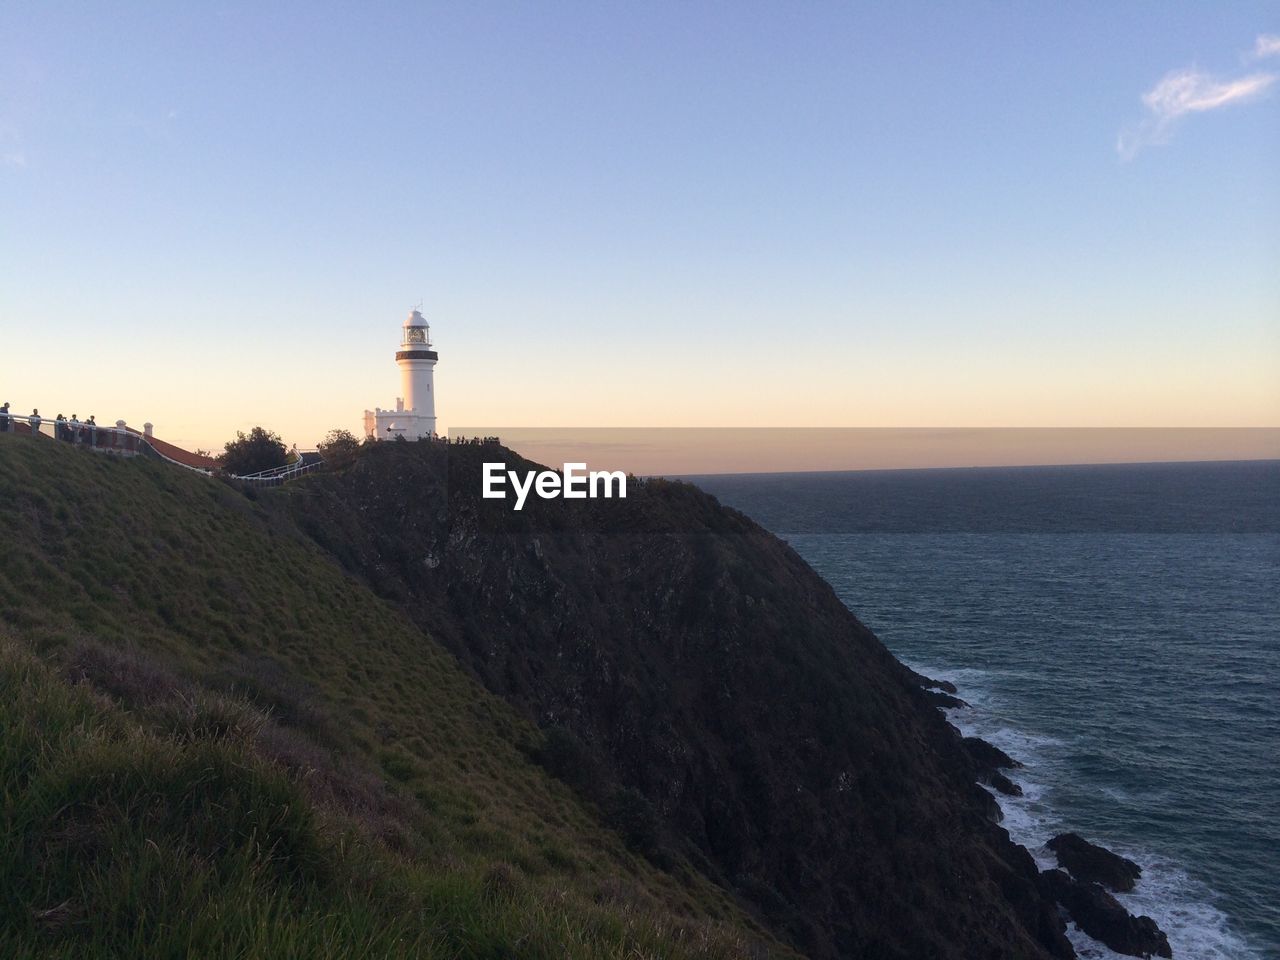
x=697 y=680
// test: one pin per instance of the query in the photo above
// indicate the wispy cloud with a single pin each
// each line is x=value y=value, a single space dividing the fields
x=1267 y=45
x=1191 y=90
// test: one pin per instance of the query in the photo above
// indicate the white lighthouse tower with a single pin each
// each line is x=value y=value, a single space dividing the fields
x=414 y=416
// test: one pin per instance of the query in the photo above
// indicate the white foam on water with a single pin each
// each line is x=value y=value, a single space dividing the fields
x=1180 y=904
x=1183 y=907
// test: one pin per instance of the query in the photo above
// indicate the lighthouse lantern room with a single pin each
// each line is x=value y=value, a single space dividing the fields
x=414 y=416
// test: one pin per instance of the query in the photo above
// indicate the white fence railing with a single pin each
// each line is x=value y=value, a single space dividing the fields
x=278 y=475
x=82 y=432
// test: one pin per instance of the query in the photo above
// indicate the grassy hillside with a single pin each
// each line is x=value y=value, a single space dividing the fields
x=214 y=742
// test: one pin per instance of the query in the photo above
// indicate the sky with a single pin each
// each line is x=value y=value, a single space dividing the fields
x=642 y=215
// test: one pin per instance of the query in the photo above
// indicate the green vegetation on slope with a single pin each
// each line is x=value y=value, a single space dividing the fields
x=214 y=742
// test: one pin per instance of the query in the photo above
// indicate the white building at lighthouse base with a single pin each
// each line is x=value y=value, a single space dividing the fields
x=389 y=424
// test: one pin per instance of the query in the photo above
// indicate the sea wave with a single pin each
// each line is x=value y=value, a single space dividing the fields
x=1182 y=905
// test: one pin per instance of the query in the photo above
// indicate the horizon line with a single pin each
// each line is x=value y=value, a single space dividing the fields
x=974 y=466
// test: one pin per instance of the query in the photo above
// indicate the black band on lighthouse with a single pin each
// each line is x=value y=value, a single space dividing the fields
x=417 y=355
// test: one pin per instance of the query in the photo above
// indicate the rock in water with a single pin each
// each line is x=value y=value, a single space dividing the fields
x=988 y=756
x=1004 y=785
x=990 y=760
x=944 y=700
x=1102 y=917
x=1090 y=862
x=946 y=686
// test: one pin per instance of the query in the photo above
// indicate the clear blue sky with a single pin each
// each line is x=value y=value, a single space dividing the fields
x=214 y=215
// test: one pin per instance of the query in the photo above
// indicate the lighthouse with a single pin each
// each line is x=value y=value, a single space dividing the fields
x=414 y=416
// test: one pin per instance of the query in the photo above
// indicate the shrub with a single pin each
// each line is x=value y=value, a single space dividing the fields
x=260 y=449
x=339 y=447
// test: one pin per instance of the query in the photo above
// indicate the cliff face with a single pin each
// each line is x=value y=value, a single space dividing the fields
x=676 y=650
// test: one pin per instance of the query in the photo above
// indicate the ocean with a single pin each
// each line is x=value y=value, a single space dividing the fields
x=1116 y=628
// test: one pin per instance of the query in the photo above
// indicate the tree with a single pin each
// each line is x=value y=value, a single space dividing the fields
x=338 y=447
x=259 y=450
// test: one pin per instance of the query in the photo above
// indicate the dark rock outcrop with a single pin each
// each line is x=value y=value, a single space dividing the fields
x=988 y=756
x=989 y=761
x=946 y=686
x=1092 y=863
x=703 y=668
x=944 y=700
x=1003 y=784
x=1102 y=917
